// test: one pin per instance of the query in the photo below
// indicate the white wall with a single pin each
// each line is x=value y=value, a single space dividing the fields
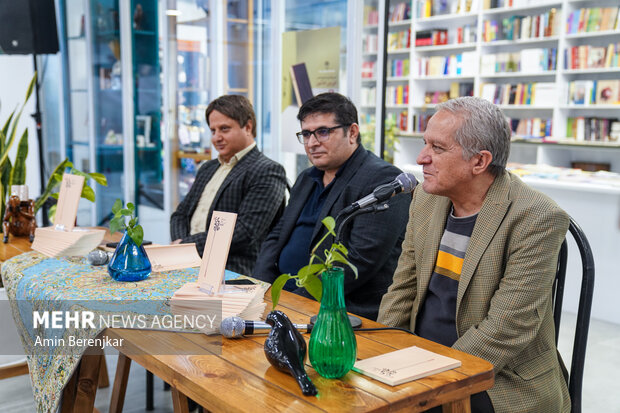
x=15 y=74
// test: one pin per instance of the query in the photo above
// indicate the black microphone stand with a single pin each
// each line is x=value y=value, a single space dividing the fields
x=356 y=322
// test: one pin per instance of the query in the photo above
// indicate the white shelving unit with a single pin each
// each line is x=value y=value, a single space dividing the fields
x=561 y=154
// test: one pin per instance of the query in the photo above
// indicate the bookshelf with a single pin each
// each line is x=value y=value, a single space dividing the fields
x=502 y=53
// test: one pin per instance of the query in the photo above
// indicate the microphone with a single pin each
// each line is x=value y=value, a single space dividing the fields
x=234 y=327
x=403 y=183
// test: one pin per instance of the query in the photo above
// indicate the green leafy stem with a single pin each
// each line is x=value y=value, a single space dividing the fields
x=117 y=223
x=308 y=276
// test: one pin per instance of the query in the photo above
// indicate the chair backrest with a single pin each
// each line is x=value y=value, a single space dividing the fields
x=575 y=379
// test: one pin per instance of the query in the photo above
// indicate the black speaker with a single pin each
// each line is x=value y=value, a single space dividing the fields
x=28 y=26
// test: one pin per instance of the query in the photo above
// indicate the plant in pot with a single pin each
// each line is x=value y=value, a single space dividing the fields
x=333 y=347
x=13 y=173
x=129 y=262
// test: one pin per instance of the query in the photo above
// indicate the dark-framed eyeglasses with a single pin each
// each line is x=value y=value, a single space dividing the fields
x=321 y=134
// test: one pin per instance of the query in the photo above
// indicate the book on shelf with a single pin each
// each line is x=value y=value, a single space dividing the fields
x=593 y=129
x=209 y=293
x=608 y=92
x=402 y=366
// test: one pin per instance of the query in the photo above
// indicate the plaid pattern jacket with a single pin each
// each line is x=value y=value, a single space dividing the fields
x=373 y=240
x=254 y=189
x=503 y=309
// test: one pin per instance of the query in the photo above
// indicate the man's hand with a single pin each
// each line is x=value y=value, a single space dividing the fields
x=176 y=241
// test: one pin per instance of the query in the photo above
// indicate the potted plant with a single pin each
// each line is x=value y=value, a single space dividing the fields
x=129 y=262
x=333 y=347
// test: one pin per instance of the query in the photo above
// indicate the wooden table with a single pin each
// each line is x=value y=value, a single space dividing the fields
x=241 y=379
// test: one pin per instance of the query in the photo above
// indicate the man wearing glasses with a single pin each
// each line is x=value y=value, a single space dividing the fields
x=342 y=172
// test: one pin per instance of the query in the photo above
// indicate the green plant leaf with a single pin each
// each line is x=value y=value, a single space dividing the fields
x=52 y=213
x=340 y=247
x=5 y=129
x=136 y=234
x=310 y=269
x=99 y=178
x=330 y=224
x=132 y=222
x=30 y=87
x=131 y=207
x=276 y=288
x=126 y=212
x=18 y=172
x=88 y=193
x=54 y=195
x=118 y=205
x=337 y=257
x=314 y=286
x=116 y=224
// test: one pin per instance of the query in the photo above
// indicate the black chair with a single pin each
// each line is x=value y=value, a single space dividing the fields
x=575 y=378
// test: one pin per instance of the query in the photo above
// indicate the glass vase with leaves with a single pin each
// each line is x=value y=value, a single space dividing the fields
x=129 y=262
x=333 y=347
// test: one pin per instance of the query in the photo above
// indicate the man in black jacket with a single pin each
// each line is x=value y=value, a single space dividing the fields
x=241 y=180
x=343 y=172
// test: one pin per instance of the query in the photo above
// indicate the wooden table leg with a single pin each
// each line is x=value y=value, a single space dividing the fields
x=104 y=380
x=79 y=394
x=179 y=401
x=457 y=406
x=120 y=383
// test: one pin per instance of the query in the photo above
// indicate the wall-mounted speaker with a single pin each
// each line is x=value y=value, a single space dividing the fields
x=28 y=26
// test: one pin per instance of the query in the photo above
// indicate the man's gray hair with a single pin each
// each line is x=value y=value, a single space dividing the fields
x=483 y=127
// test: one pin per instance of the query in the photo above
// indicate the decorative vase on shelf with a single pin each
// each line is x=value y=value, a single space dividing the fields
x=333 y=347
x=129 y=262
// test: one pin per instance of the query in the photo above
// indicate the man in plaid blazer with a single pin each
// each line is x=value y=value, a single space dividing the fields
x=343 y=172
x=479 y=259
x=242 y=180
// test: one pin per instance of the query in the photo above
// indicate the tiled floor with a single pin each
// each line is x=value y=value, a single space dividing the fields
x=600 y=391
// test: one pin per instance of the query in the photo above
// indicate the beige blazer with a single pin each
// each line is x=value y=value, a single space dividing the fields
x=503 y=308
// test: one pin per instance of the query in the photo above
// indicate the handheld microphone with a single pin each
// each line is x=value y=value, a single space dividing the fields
x=235 y=327
x=403 y=183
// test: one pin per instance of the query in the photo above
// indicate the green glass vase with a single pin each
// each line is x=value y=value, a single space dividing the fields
x=333 y=346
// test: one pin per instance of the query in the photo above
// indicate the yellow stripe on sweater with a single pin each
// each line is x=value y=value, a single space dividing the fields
x=449 y=262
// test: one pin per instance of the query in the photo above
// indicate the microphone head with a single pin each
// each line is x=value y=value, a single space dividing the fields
x=407 y=182
x=232 y=327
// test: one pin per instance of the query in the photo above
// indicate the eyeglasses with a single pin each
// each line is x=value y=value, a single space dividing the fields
x=321 y=134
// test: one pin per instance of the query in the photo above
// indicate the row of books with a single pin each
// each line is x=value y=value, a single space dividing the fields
x=397 y=95
x=429 y=8
x=398 y=67
x=400 y=12
x=592 y=57
x=368 y=96
x=521 y=27
x=462 y=64
x=399 y=119
x=370 y=43
x=529 y=128
x=368 y=69
x=371 y=15
x=593 y=19
x=533 y=93
x=594 y=92
x=456 y=89
x=420 y=121
x=399 y=40
x=465 y=34
x=431 y=37
x=593 y=129
x=524 y=61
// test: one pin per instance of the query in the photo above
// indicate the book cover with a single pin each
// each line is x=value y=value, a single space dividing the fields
x=301 y=83
x=607 y=92
x=405 y=365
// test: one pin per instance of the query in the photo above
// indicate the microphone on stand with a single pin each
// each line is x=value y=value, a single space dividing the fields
x=235 y=327
x=403 y=183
